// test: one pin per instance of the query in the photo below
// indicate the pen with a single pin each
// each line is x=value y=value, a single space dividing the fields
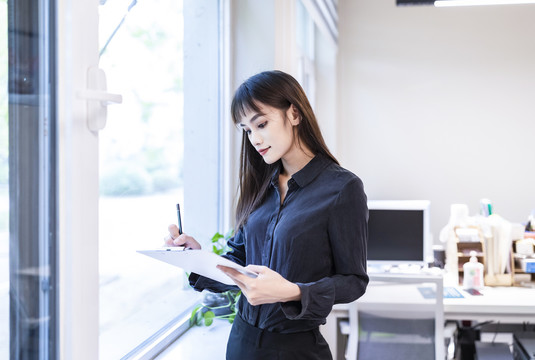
x=179 y=219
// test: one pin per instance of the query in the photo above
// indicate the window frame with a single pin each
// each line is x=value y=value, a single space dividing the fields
x=77 y=50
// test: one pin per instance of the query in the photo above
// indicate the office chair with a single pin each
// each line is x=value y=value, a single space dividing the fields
x=399 y=317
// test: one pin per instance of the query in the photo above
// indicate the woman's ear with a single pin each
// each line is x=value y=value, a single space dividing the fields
x=293 y=114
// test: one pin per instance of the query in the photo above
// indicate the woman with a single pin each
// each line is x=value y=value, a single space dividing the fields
x=301 y=225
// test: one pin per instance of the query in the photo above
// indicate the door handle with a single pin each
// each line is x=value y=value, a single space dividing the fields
x=104 y=97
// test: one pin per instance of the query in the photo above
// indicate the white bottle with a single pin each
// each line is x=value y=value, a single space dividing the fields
x=473 y=273
x=458 y=218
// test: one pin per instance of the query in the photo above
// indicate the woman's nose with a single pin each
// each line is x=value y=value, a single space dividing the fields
x=255 y=138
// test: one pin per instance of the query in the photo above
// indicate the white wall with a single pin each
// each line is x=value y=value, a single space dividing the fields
x=439 y=104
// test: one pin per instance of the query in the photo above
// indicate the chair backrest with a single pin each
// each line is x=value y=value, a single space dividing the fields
x=401 y=316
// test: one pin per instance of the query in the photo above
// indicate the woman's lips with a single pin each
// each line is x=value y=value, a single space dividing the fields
x=263 y=151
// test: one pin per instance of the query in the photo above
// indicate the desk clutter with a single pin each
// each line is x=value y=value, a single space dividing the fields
x=488 y=250
x=449 y=292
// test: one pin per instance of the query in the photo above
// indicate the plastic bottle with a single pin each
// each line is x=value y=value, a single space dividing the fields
x=473 y=273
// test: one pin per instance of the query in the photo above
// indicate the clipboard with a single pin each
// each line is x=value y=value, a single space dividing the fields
x=201 y=262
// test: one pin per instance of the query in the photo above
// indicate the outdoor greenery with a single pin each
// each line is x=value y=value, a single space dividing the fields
x=217 y=306
x=142 y=144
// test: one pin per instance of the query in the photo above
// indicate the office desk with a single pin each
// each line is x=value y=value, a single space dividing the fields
x=503 y=304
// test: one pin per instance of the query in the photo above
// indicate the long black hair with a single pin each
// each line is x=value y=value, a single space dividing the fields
x=279 y=90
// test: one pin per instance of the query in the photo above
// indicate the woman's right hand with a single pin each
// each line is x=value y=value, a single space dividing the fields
x=174 y=238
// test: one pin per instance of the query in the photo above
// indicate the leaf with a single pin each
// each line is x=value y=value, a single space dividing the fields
x=231 y=318
x=209 y=318
x=216 y=237
x=235 y=295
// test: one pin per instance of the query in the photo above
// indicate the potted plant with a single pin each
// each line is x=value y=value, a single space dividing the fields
x=217 y=305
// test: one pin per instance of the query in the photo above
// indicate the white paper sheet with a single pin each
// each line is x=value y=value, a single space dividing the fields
x=201 y=262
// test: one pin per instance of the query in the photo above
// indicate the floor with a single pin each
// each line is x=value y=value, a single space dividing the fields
x=200 y=343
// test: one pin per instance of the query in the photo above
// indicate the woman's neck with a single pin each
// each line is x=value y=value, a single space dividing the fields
x=295 y=162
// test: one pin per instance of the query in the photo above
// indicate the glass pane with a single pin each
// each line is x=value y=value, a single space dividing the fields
x=141 y=157
x=4 y=192
x=31 y=126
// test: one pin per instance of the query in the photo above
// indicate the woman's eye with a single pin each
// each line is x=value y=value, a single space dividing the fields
x=263 y=125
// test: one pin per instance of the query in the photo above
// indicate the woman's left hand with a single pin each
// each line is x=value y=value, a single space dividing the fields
x=267 y=288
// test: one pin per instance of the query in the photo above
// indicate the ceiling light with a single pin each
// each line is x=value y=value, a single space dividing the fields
x=448 y=3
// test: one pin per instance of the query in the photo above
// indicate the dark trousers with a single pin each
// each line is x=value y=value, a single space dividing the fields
x=247 y=342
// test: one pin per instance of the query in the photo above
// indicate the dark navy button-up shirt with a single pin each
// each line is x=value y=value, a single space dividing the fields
x=316 y=239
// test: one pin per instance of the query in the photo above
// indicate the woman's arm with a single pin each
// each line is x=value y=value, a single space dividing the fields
x=236 y=254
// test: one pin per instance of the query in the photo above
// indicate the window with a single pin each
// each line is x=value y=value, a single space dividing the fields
x=141 y=171
x=305 y=41
x=164 y=138
x=160 y=147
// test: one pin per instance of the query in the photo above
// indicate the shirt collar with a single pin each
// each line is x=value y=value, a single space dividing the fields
x=308 y=173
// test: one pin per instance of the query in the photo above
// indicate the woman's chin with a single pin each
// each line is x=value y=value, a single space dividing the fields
x=270 y=159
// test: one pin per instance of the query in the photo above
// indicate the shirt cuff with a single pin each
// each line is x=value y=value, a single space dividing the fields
x=201 y=283
x=317 y=300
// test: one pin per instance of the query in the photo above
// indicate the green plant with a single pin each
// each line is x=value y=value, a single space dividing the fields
x=206 y=313
x=220 y=305
x=219 y=242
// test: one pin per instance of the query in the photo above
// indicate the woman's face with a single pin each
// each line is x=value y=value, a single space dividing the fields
x=271 y=132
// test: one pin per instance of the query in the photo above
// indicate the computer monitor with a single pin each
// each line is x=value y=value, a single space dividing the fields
x=398 y=232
